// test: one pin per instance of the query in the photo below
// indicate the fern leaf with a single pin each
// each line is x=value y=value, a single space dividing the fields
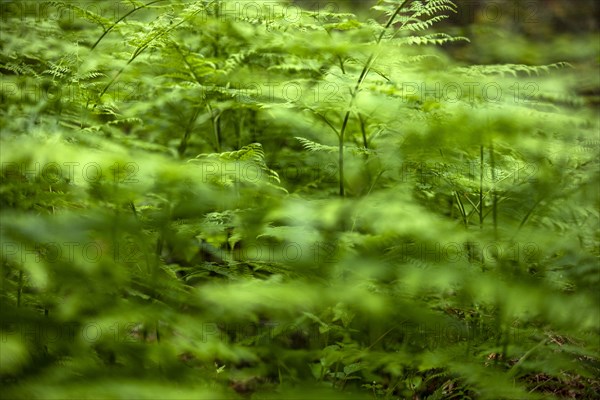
x=253 y=154
x=512 y=69
x=433 y=39
x=314 y=146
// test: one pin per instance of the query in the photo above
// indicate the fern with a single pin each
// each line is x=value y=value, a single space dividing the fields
x=234 y=166
x=512 y=69
x=309 y=145
x=433 y=39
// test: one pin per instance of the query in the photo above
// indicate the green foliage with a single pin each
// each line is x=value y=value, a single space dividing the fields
x=206 y=200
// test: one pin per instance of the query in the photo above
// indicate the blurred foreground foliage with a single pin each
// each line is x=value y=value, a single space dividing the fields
x=175 y=223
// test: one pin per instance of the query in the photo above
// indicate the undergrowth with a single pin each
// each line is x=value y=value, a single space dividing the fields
x=208 y=199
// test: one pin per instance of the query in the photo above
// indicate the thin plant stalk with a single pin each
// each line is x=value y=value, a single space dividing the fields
x=361 y=78
x=494 y=194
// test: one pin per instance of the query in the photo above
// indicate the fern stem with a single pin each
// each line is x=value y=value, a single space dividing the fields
x=327 y=122
x=187 y=64
x=494 y=194
x=159 y=245
x=216 y=120
x=480 y=187
x=526 y=217
x=391 y=20
x=361 y=78
x=342 y=65
x=239 y=128
x=107 y=31
x=217 y=125
x=215 y=43
x=186 y=136
x=20 y=288
x=462 y=209
x=341 y=153
x=133 y=210
x=140 y=50
x=364 y=132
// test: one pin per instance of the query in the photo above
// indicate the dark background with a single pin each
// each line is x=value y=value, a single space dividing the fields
x=542 y=16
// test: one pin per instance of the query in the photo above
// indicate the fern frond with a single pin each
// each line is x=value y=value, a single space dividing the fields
x=388 y=7
x=86 y=14
x=415 y=24
x=512 y=69
x=90 y=75
x=416 y=10
x=433 y=39
x=125 y=121
x=58 y=71
x=296 y=65
x=309 y=145
x=432 y=7
x=251 y=154
x=20 y=69
x=235 y=60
